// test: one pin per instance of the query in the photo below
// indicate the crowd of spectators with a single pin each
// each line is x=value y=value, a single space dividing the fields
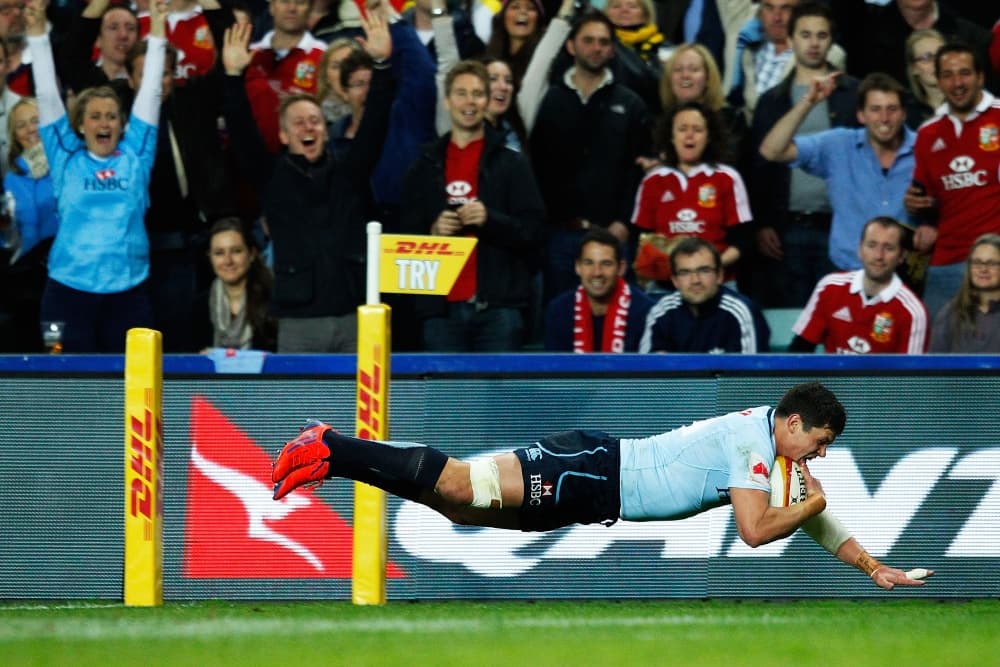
x=641 y=175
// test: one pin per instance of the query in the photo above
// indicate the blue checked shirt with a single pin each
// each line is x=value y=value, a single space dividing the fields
x=769 y=66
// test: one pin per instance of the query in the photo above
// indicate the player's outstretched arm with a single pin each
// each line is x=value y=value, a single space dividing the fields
x=884 y=576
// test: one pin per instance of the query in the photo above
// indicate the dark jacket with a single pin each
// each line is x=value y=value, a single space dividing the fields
x=584 y=154
x=874 y=36
x=76 y=67
x=728 y=322
x=512 y=235
x=316 y=212
x=559 y=321
x=469 y=44
x=770 y=182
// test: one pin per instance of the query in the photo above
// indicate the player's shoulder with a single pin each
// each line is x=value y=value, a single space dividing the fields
x=661 y=173
x=743 y=423
x=835 y=280
x=911 y=303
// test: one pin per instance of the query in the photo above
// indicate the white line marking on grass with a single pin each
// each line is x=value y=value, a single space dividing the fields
x=91 y=629
x=59 y=605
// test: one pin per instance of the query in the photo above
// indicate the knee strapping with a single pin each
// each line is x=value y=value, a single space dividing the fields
x=485 y=478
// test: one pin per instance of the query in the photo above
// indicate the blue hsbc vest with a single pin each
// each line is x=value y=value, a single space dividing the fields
x=101 y=245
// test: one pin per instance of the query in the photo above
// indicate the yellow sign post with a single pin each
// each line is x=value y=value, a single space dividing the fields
x=403 y=265
x=143 y=580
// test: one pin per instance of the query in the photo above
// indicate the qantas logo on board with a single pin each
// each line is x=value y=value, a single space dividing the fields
x=492 y=552
x=234 y=530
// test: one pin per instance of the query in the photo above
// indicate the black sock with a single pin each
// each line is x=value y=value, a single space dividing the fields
x=403 y=468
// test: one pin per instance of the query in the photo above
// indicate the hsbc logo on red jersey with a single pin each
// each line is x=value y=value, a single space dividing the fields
x=962 y=175
x=687 y=222
x=234 y=530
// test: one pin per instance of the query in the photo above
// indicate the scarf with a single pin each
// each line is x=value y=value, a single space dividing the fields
x=633 y=37
x=35 y=158
x=230 y=331
x=615 y=321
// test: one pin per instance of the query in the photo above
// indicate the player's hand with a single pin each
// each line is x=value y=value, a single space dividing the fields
x=889 y=577
x=447 y=224
x=619 y=230
x=916 y=200
x=158 y=18
x=769 y=243
x=813 y=485
x=236 y=48
x=648 y=163
x=377 y=42
x=821 y=87
x=924 y=238
x=472 y=213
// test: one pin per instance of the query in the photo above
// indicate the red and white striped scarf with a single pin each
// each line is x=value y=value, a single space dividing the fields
x=615 y=321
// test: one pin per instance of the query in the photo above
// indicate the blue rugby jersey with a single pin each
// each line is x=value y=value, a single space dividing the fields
x=102 y=246
x=691 y=469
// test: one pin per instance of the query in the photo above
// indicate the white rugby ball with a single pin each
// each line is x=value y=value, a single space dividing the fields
x=788 y=486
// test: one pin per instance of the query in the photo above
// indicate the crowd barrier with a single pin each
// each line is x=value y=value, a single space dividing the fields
x=914 y=476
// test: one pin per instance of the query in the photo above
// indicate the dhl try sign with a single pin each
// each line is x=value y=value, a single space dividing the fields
x=429 y=265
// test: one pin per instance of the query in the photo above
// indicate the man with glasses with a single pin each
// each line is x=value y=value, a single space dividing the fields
x=703 y=315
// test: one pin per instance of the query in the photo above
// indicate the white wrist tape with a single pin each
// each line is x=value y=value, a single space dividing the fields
x=485 y=478
x=827 y=530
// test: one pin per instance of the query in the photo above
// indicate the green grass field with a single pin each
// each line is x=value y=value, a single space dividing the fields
x=543 y=634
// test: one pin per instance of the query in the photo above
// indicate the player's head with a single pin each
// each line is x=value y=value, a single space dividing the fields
x=599 y=264
x=982 y=279
x=816 y=404
x=467 y=88
x=696 y=270
x=591 y=41
x=301 y=126
x=807 y=420
x=881 y=249
x=810 y=29
x=96 y=117
x=959 y=74
x=136 y=59
x=689 y=133
x=880 y=108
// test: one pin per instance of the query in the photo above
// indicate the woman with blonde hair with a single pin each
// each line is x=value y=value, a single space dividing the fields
x=28 y=181
x=970 y=322
x=635 y=27
x=33 y=222
x=99 y=262
x=925 y=96
x=691 y=74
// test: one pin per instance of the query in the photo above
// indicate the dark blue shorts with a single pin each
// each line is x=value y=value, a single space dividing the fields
x=570 y=477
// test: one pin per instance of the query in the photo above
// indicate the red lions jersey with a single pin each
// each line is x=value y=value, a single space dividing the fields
x=704 y=203
x=271 y=76
x=840 y=317
x=959 y=164
x=461 y=172
x=188 y=32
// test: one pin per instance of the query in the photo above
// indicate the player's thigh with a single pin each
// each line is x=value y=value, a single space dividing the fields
x=511 y=479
